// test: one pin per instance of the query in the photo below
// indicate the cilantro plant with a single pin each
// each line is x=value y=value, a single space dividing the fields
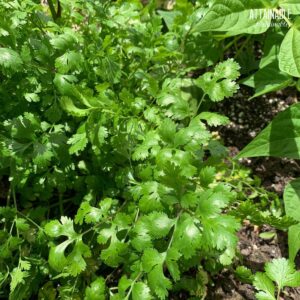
x=106 y=146
x=107 y=151
x=270 y=284
x=280 y=271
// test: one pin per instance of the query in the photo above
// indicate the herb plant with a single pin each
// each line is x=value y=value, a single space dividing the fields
x=105 y=128
x=107 y=150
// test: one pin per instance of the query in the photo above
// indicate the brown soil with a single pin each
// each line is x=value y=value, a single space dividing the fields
x=255 y=252
x=248 y=118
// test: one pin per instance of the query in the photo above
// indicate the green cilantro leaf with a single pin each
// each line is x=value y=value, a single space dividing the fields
x=283 y=273
x=153 y=262
x=220 y=84
x=74 y=262
x=141 y=291
x=96 y=290
x=10 y=59
x=265 y=286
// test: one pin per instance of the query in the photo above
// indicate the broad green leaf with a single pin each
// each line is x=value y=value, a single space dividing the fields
x=64 y=41
x=42 y=154
x=68 y=105
x=96 y=290
x=211 y=203
x=172 y=263
x=207 y=175
x=271 y=48
x=22 y=224
x=290 y=6
x=268 y=79
x=123 y=286
x=289 y=55
x=18 y=276
x=117 y=250
x=78 y=143
x=73 y=262
x=142 y=151
x=294 y=241
x=274 y=141
x=158 y=224
x=141 y=291
x=91 y=214
x=169 y=17
x=244 y=274
x=291 y=198
x=265 y=287
x=70 y=61
x=151 y=258
x=65 y=84
x=283 y=273
x=115 y=254
x=167 y=131
x=79 y=140
x=219 y=232
x=141 y=238
x=152 y=262
x=221 y=83
x=213 y=119
x=151 y=195
x=267 y=235
x=235 y=17
x=10 y=59
x=187 y=236
x=32 y=97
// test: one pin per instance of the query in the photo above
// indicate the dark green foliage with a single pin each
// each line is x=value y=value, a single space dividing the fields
x=107 y=149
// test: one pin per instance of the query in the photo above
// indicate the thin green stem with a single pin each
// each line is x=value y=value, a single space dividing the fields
x=30 y=220
x=278 y=294
x=91 y=229
x=52 y=10
x=231 y=43
x=242 y=47
x=132 y=284
x=200 y=102
x=16 y=207
x=174 y=229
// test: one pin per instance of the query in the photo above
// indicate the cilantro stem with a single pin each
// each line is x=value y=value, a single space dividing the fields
x=52 y=10
x=242 y=47
x=16 y=207
x=174 y=229
x=200 y=102
x=248 y=185
x=30 y=220
x=231 y=43
x=132 y=284
x=91 y=229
